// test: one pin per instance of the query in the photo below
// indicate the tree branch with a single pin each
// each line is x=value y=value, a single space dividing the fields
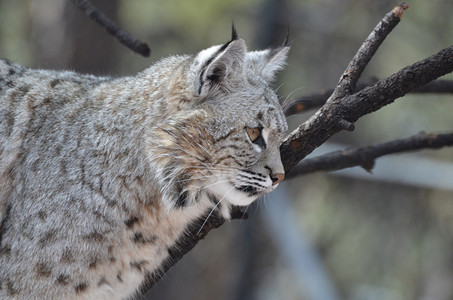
x=366 y=156
x=112 y=28
x=339 y=113
x=316 y=100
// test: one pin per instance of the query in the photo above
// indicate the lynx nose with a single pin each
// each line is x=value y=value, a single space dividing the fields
x=276 y=178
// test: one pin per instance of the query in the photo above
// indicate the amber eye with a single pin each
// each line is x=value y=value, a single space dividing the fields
x=254 y=133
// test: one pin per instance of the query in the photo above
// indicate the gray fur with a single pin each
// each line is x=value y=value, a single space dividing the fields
x=100 y=177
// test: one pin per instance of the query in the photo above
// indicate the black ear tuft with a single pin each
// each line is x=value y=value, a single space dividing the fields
x=234 y=33
x=286 y=43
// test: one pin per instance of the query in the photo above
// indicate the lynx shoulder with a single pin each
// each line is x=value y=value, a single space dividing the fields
x=101 y=177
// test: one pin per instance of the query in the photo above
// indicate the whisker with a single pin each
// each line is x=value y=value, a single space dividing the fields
x=265 y=201
x=244 y=214
x=278 y=88
x=285 y=102
x=215 y=206
x=217 y=182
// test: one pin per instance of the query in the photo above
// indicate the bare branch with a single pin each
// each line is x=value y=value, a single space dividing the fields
x=328 y=120
x=365 y=156
x=316 y=100
x=112 y=28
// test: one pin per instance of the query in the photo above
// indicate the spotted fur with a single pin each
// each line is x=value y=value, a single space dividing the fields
x=101 y=178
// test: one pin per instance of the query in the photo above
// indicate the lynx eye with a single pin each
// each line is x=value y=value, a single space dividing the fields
x=256 y=137
x=254 y=133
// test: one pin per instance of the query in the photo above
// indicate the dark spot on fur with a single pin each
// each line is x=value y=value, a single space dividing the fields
x=125 y=208
x=73 y=201
x=24 y=89
x=102 y=281
x=138 y=264
x=67 y=256
x=80 y=287
x=11 y=71
x=93 y=264
x=131 y=221
x=118 y=276
x=54 y=82
x=10 y=288
x=112 y=203
x=42 y=215
x=62 y=164
x=63 y=279
x=138 y=238
x=46 y=101
x=49 y=237
x=43 y=270
x=112 y=259
x=10 y=83
x=94 y=236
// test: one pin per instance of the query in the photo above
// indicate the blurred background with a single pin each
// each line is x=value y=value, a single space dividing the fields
x=339 y=235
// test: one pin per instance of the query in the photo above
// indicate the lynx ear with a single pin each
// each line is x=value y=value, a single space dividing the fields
x=219 y=64
x=268 y=62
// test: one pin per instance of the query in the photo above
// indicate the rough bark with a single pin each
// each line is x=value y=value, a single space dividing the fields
x=316 y=100
x=365 y=156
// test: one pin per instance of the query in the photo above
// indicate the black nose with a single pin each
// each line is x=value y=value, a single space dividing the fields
x=276 y=178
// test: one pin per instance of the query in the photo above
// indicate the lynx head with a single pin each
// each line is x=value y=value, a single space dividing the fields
x=224 y=141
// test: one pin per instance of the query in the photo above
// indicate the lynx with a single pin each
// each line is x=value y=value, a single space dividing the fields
x=101 y=177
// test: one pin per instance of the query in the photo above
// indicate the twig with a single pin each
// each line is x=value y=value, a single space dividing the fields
x=316 y=100
x=351 y=75
x=112 y=28
x=365 y=156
